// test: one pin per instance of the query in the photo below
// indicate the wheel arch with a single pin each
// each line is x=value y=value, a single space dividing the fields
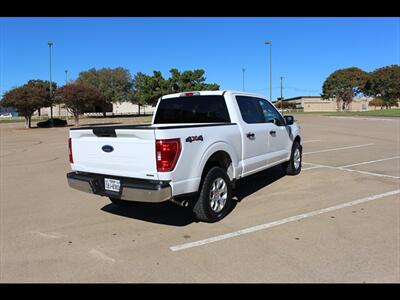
x=221 y=155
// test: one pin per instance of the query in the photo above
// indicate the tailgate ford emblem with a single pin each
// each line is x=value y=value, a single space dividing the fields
x=107 y=148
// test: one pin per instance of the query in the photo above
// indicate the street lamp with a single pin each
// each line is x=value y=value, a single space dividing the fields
x=66 y=76
x=50 y=43
x=243 y=70
x=282 y=95
x=270 y=68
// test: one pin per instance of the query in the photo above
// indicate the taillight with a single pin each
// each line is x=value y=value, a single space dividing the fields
x=71 y=159
x=167 y=154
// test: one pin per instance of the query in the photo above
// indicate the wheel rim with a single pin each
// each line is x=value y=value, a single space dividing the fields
x=218 y=194
x=296 y=158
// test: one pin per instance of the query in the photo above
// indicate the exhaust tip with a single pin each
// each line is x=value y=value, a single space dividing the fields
x=183 y=203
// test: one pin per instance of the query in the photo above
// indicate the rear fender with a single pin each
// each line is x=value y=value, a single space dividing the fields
x=219 y=146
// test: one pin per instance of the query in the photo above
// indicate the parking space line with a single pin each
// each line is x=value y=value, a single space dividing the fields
x=370 y=173
x=311 y=141
x=280 y=222
x=336 y=149
x=316 y=166
x=100 y=255
x=370 y=162
x=310 y=168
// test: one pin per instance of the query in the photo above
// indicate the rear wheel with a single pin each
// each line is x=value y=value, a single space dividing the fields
x=293 y=166
x=215 y=196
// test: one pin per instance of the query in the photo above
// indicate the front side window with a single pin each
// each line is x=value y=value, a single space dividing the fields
x=271 y=115
x=258 y=110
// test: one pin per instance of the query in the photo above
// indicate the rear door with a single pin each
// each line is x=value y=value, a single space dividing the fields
x=129 y=153
x=254 y=135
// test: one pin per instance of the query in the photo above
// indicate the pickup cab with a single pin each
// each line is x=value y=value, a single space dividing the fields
x=197 y=145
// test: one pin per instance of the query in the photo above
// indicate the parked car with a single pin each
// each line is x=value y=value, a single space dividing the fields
x=6 y=115
x=197 y=146
x=56 y=123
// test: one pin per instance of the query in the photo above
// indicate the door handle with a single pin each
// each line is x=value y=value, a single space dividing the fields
x=251 y=135
x=272 y=132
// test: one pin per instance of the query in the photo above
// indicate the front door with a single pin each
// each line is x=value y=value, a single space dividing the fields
x=278 y=134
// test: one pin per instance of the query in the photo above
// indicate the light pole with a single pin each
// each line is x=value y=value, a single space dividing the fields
x=59 y=105
x=281 y=96
x=270 y=68
x=243 y=70
x=50 y=43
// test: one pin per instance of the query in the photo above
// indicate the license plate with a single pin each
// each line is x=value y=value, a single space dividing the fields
x=112 y=184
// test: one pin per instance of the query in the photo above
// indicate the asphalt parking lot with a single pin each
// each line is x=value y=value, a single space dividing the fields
x=338 y=221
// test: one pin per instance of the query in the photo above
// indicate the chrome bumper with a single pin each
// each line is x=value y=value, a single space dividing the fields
x=139 y=190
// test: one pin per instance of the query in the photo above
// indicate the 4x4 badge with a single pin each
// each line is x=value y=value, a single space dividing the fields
x=194 y=138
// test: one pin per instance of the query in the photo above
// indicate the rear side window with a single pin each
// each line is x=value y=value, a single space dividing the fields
x=250 y=110
x=193 y=109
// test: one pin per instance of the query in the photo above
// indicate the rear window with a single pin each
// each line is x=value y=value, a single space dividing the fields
x=193 y=109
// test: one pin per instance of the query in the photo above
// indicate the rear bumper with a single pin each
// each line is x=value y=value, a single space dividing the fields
x=132 y=189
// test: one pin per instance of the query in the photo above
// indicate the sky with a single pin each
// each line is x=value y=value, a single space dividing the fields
x=304 y=50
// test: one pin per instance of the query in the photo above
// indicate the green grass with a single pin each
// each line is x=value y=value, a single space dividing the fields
x=369 y=113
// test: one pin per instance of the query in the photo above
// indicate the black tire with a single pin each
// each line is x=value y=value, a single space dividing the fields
x=290 y=167
x=119 y=202
x=202 y=208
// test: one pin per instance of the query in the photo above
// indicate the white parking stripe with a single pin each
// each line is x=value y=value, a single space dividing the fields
x=100 y=255
x=315 y=166
x=311 y=141
x=280 y=222
x=370 y=173
x=310 y=168
x=370 y=162
x=342 y=148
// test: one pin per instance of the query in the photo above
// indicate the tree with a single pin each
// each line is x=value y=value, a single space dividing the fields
x=148 y=89
x=285 y=104
x=190 y=81
x=344 y=84
x=27 y=99
x=376 y=102
x=115 y=84
x=78 y=98
x=385 y=84
x=45 y=86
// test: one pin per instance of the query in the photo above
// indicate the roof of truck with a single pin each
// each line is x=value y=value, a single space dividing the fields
x=205 y=93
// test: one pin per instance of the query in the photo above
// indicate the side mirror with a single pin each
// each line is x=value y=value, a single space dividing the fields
x=289 y=120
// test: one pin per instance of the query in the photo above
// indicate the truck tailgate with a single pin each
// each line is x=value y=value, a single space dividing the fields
x=132 y=152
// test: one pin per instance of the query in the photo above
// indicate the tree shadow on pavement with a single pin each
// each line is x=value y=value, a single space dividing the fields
x=168 y=213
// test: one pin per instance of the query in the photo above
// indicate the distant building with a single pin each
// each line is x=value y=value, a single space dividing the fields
x=316 y=103
x=123 y=108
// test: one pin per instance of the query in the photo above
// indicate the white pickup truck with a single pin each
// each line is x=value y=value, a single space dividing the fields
x=197 y=146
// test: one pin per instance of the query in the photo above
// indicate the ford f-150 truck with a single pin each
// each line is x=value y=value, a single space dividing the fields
x=197 y=146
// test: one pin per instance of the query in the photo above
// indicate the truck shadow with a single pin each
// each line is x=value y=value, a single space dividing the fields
x=168 y=213
x=251 y=184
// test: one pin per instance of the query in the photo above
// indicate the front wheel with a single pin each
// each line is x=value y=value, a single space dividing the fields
x=293 y=166
x=215 y=196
